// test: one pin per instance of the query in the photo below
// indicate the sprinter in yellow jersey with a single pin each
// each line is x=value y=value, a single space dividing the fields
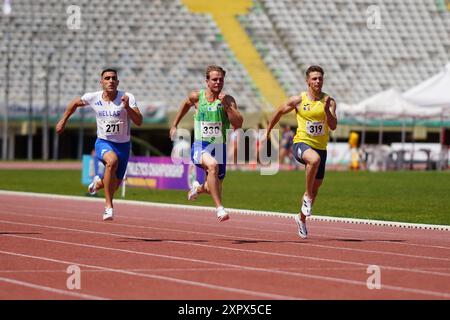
x=316 y=115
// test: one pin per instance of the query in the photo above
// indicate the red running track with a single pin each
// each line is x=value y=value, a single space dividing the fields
x=172 y=253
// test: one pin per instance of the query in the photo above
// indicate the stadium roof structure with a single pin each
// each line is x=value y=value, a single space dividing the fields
x=433 y=92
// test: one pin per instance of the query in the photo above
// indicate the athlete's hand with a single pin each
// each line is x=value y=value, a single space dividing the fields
x=327 y=104
x=266 y=137
x=126 y=101
x=60 y=126
x=224 y=101
x=227 y=102
x=172 y=132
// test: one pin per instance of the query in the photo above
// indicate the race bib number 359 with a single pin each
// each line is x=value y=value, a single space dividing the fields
x=211 y=129
x=315 y=128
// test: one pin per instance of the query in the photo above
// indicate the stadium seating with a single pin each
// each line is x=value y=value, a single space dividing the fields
x=411 y=44
x=161 y=48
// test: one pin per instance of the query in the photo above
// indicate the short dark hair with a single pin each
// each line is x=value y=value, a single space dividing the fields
x=314 y=69
x=109 y=70
x=214 y=68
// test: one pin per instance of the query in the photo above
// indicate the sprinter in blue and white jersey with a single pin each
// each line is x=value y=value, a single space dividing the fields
x=114 y=110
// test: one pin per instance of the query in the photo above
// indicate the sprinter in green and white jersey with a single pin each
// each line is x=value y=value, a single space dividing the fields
x=214 y=113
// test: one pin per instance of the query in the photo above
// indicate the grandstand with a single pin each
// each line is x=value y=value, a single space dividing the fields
x=412 y=43
x=161 y=48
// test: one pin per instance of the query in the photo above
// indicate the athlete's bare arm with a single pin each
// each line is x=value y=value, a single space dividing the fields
x=285 y=108
x=73 y=105
x=232 y=111
x=134 y=113
x=190 y=101
x=330 y=112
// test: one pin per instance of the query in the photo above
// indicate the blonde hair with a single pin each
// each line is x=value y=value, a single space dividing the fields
x=211 y=68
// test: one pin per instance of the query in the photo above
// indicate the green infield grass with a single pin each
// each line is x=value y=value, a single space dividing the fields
x=406 y=196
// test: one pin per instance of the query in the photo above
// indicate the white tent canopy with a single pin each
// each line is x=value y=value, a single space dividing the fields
x=433 y=92
x=389 y=104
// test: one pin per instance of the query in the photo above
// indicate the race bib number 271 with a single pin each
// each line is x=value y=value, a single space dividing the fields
x=112 y=127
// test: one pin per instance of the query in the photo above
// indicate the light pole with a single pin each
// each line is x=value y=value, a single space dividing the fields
x=82 y=110
x=60 y=49
x=46 y=108
x=7 y=13
x=30 y=97
x=58 y=101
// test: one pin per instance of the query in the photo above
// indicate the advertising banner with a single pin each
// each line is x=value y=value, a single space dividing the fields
x=162 y=173
x=91 y=167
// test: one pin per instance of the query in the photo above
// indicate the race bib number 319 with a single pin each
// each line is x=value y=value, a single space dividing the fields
x=211 y=129
x=315 y=128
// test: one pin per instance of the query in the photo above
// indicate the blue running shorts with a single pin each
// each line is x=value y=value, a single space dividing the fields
x=217 y=151
x=122 y=150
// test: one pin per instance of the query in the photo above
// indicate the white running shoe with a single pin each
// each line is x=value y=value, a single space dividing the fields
x=108 y=215
x=302 y=232
x=222 y=215
x=307 y=206
x=193 y=193
x=92 y=186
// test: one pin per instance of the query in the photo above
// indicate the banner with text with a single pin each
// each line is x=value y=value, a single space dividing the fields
x=162 y=173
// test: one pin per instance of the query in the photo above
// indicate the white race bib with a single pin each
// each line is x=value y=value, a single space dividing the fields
x=315 y=128
x=111 y=127
x=211 y=129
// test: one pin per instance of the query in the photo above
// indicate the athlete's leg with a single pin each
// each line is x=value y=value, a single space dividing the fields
x=118 y=182
x=99 y=185
x=316 y=186
x=220 y=187
x=212 y=184
x=312 y=160
x=204 y=188
x=110 y=179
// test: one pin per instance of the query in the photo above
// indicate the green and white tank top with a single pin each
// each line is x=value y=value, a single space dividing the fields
x=210 y=121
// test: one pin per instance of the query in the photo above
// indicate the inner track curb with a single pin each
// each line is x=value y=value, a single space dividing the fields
x=237 y=211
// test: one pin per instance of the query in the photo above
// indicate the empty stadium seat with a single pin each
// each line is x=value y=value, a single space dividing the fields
x=162 y=48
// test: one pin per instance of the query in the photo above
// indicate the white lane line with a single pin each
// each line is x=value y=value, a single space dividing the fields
x=240 y=211
x=411 y=270
x=244 y=228
x=135 y=270
x=52 y=290
x=393 y=243
x=157 y=277
x=249 y=268
x=299 y=268
x=219 y=235
x=132 y=206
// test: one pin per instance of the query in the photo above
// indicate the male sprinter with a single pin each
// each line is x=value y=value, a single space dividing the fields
x=113 y=109
x=316 y=115
x=214 y=112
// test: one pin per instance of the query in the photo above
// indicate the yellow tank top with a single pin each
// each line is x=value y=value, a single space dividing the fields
x=312 y=127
